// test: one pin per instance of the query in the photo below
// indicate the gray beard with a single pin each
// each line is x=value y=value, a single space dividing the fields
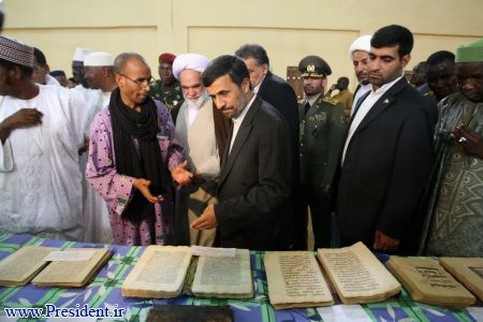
x=198 y=102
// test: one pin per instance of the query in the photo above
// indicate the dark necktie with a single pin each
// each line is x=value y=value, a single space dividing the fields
x=307 y=107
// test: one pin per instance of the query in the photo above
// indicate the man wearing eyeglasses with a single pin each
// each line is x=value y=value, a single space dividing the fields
x=132 y=147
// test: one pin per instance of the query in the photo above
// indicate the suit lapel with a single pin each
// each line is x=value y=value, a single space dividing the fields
x=382 y=104
x=240 y=140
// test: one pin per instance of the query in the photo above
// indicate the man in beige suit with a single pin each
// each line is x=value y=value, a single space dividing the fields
x=195 y=129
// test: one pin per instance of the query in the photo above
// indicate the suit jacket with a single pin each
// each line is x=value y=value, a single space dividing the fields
x=281 y=95
x=255 y=181
x=386 y=167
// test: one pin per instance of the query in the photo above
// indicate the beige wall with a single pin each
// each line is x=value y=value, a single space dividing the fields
x=288 y=29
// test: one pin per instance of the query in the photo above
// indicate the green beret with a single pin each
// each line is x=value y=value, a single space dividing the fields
x=471 y=52
x=314 y=66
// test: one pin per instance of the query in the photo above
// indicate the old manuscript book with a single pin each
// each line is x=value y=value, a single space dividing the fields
x=165 y=272
x=428 y=282
x=159 y=273
x=357 y=275
x=468 y=271
x=72 y=267
x=20 y=267
x=295 y=279
x=224 y=277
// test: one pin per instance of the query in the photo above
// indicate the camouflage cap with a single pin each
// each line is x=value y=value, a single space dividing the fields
x=314 y=66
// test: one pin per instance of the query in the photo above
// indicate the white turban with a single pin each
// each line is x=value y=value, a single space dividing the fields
x=195 y=62
x=98 y=58
x=80 y=53
x=362 y=43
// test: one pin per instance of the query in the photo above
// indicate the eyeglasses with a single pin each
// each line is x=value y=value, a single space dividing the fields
x=140 y=81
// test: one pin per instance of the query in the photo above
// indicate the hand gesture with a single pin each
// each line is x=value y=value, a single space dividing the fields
x=207 y=220
x=26 y=117
x=471 y=141
x=143 y=186
x=181 y=175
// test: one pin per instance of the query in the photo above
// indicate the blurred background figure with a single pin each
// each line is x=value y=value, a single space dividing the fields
x=60 y=76
x=42 y=69
x=167 y=88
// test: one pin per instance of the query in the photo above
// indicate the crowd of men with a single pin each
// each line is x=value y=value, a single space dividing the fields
x=220 y=153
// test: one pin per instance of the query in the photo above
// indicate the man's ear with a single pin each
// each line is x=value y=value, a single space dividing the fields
x=245 y=85
x=405 y=60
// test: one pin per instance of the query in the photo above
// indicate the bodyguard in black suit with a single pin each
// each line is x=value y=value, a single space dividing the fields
x=255 y=178
x=387 y=155
x=279 y=94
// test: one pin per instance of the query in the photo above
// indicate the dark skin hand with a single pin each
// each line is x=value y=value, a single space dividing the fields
x=471 y=141
x=24 y=118
x=383 y=242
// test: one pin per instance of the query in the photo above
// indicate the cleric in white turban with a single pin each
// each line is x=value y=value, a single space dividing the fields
x=191 y=61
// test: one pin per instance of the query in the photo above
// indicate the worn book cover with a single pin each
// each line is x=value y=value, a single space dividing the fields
x=357 y=274
x=75 y=270
x=190 y=313
x=468 y=271
x=428 y=282
x=21 y=266
x=295 y=279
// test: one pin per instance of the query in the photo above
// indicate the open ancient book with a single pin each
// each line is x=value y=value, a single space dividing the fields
x=169 y=271
x=295 y=279
x=50 y=266
x=428 y=282
x=357 y=275
x=468 y=271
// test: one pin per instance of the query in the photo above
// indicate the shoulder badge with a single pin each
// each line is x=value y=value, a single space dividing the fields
x=330 y=100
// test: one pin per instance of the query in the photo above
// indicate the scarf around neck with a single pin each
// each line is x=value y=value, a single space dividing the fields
x=146 y=161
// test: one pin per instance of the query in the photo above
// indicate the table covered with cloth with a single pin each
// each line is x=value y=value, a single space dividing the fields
x=105 y=291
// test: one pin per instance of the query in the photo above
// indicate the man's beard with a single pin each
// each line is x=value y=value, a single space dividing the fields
x=197 y=102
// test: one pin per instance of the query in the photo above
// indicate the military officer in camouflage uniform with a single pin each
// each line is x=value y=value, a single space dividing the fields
x=167 y=88
x=322 y=129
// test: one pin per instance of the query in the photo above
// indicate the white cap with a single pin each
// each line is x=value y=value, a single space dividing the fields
x=80 y=53
x=362 y=43
x=189 y=61
x=98 y=58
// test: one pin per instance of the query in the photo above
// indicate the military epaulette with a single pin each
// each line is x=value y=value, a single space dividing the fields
x=330 y=100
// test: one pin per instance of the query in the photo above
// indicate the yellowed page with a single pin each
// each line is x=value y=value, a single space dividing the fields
x=73 y=273
x=224 y=277
x=428 y=282
x=295 y=280
x=468 y=271
x=357 y=274
x=160 y=272
x=20 y=267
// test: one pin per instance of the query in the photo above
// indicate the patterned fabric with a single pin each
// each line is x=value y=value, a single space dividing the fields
x=16 y=52
x=117 y=189
x=105 y=291
x=457 y=222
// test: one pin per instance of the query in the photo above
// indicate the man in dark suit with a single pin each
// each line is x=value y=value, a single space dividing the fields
x=387 y=155
x=255 y=177
x=280 y=95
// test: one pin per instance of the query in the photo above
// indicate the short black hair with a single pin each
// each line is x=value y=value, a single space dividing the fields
x=253 y=51
x=394 y=35
x=40 y=57
x=229 y=65
x=439 y=57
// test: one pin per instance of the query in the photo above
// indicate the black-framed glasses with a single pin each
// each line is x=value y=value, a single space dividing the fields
x=140 y=81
